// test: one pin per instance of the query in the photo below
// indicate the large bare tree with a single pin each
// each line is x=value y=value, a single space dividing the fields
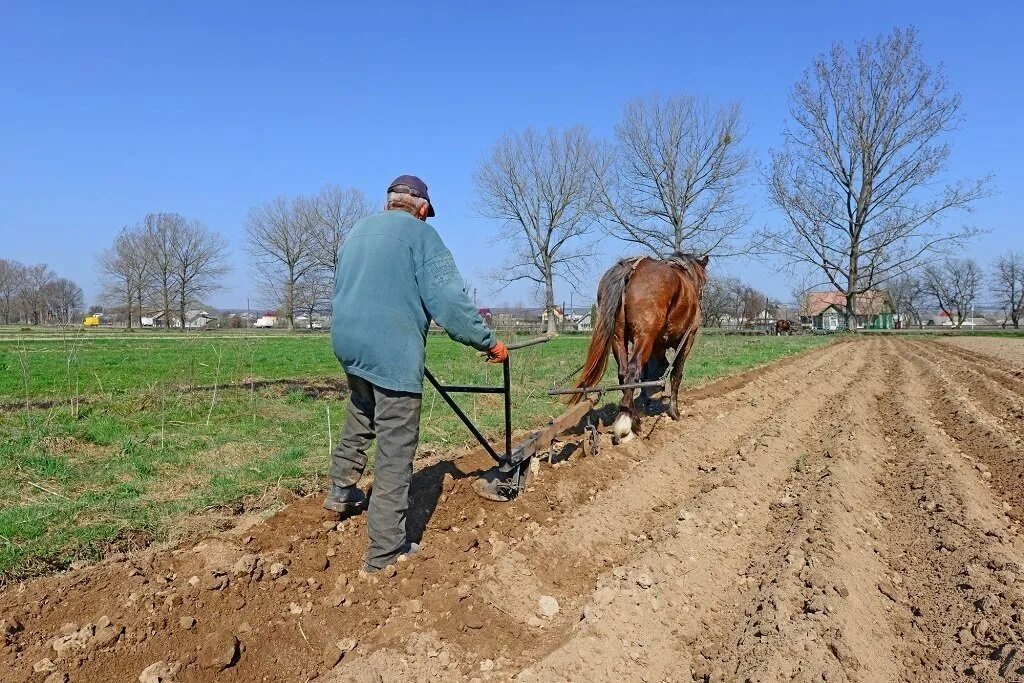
x=125 y=270
x=1007 y=285
x=671 y=181
x=860 y=176
x=540 y=185
x=199 y=263
x=184 y=263
x=282 y=240
x=953 y=285
x=159 y=236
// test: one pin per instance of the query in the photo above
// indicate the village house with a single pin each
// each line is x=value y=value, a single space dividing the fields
x=826 y=311
x=194 y=320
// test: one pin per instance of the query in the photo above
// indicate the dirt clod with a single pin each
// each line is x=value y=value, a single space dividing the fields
x=547 y=606
x=332 y=655
x=160 y=672
x=220 y=652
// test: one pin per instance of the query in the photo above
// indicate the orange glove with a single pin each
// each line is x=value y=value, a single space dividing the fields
x=498 y=353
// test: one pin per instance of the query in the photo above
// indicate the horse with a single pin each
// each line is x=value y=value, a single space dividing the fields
x=645 y=306
x=783 y=327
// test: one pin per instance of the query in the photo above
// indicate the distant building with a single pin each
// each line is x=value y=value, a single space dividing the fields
x=826 y=311
x=194 y=320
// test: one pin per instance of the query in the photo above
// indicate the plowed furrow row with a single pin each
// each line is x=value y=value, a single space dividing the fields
x=672 y=599
x=950 y=596
x=979 y=430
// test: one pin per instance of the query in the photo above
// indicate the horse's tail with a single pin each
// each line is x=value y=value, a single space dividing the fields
x=609 y=299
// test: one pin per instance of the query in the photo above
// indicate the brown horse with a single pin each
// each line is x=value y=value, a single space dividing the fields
x=783 y=327
x=644 y=308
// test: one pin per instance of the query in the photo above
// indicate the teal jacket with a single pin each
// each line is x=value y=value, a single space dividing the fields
x=394 y=276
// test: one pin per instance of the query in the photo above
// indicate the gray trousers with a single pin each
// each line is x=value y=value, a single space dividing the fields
x=393 y=417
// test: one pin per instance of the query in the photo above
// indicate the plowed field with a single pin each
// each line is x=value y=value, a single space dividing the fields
x=849 y=514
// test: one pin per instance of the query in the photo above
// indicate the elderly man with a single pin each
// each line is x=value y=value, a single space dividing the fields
x=394 y=276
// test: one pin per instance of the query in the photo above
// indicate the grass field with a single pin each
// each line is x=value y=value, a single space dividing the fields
x=108 y=441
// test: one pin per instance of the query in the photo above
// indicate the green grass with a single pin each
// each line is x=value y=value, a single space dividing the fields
x=150 y=445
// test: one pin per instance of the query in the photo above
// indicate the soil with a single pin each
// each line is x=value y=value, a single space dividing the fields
x=849 y=514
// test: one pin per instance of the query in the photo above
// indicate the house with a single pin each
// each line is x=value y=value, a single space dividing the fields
x=194 y=320
x=826 y=311
x=269 y=320
x=585 y=322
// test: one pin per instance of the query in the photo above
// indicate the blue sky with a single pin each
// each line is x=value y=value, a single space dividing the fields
x=109 y=111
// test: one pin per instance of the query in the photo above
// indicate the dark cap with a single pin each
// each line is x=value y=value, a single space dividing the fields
x=410 y=184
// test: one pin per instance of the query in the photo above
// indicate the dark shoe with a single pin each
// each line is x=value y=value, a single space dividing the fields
x=407 y=551
x=345 y=500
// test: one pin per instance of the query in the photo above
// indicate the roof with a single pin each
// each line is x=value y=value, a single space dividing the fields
x=868 y=303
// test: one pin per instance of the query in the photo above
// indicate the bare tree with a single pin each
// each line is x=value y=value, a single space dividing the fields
x=800 y=289
x=140 y=269
x=118 y=272
x=33 y=292
x=12 y=277
x=909 y=298
x=716 y=304
x=671 y=180
x=1007 y=285
x=282 y=241
x=199 y=262
x=336 y=211
x=63 y=299
x=541 y=186
x=313 y=294
x=183 y=263
x=159 y=234
x=953 y=285
x=856 y=177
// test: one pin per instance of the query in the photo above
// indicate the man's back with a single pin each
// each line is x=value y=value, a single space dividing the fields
x=394 y=274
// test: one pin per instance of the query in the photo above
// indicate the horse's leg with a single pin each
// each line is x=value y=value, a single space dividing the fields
x=620 y=349
x=677 y=375
x=654 y=368
x=628 y=421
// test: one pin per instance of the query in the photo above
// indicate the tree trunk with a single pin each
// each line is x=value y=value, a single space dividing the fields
x=549 y=302
x=851 y=319
x=128 y=309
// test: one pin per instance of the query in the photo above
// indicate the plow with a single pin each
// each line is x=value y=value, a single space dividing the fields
x=513 y=461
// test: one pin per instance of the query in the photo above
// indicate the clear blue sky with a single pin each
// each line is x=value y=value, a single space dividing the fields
x=109 y=111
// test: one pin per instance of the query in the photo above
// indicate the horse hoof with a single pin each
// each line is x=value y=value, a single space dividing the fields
x=622 y=427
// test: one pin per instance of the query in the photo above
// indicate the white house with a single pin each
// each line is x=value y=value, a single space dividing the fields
x=266 y=321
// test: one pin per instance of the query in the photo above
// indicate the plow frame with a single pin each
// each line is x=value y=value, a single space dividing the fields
x=513 y=461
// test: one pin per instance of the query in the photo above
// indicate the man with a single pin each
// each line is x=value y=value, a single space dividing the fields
x=394 y=276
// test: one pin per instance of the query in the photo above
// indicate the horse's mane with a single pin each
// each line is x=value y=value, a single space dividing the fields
x=692 y=264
